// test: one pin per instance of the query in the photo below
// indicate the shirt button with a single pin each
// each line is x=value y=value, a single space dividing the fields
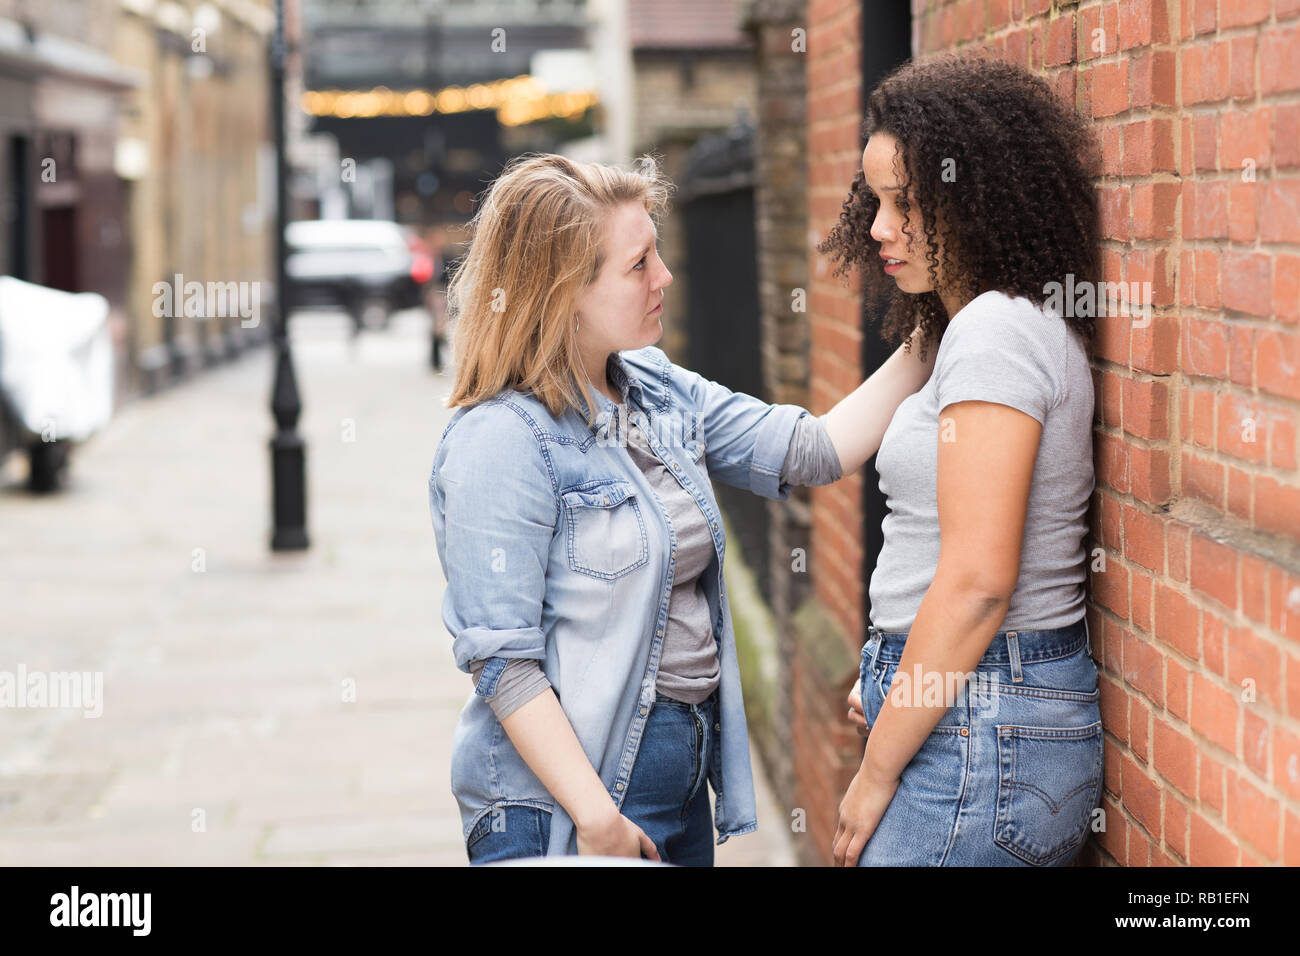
x=715 y=526
x=618 y=787
x=642 y=711
x=676 y=467
x=659 y=633
x=965 y=732
x=717 y=726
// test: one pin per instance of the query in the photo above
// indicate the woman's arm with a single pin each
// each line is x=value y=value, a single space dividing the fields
x=858 y=421
x=542 y=734
x=983 y=495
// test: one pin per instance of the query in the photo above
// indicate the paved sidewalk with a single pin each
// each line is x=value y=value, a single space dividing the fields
x=257 y=708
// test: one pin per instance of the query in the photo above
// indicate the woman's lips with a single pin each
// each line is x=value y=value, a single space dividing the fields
x=891 y=268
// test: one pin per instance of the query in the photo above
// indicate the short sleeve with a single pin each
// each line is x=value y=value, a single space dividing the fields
x=996 y=351
x=494 y=512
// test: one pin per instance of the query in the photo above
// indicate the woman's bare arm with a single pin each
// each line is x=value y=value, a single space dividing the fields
x=541 y=732
x=858 y=421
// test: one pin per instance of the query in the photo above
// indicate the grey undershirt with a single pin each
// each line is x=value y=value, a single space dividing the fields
x=688 y=667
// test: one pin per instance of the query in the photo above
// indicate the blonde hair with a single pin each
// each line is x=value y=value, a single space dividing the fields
x=536 y=244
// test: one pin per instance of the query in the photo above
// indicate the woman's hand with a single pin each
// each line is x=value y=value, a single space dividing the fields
x=856 y=717
x=613 y=834
x=860 y=812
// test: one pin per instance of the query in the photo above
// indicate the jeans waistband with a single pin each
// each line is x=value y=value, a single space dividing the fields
x=709 y=701
x=1014 y=647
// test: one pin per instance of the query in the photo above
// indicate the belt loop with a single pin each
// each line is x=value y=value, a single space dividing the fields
x=875 y=651
x=1013 y=646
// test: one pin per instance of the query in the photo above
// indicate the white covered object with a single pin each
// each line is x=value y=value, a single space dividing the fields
x=56 y=359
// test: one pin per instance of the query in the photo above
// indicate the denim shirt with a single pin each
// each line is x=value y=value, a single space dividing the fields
x=555 y=547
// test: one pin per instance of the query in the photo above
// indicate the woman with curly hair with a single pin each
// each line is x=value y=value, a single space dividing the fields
x=977 y=693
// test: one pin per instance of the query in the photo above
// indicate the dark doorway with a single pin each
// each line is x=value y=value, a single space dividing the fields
x=886 y=43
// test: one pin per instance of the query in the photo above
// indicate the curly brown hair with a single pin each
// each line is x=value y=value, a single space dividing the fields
x=1021 y=213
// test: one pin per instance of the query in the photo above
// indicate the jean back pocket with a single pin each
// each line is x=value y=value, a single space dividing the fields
x=1049 y=782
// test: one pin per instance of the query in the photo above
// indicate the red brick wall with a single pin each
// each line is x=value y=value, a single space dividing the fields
x=1197 y=510
x=827 y=749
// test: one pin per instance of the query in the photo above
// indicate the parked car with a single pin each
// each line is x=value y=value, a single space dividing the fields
x=56 y=374
x=368 y=267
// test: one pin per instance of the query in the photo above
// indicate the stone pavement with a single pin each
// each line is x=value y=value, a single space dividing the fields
x=257 y=708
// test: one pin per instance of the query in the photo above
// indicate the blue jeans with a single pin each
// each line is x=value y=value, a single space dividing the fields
x=1013 y=771
x=667 y=795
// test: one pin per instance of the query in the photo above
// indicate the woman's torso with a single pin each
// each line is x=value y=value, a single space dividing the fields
x=1050 y=590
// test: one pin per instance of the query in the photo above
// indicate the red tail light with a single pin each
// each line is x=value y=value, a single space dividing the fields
x=421 y=268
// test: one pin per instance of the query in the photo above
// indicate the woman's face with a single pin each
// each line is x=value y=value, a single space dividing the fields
x=878 y=166
x=621 y=308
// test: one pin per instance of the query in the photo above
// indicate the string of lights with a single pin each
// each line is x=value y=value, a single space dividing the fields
x=518 y=100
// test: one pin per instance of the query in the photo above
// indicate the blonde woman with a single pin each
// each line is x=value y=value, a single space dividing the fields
x=572 y=500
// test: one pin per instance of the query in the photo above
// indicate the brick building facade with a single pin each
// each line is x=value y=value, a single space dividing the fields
x=1194 y=604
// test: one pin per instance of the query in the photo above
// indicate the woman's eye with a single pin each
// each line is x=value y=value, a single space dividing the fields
x=639 y=263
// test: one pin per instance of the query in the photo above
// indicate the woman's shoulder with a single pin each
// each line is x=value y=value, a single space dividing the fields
x=506 y=420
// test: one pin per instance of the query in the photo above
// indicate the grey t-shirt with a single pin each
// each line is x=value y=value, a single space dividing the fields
x=688 y=666
x=1005 y=350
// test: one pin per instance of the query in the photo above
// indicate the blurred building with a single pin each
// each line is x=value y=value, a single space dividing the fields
x=434 y=97
x=693 y=76
x=137 y=152
x=195 y=152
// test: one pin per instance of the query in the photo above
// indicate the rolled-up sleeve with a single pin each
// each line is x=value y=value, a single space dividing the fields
x=494 y=511
x=745 y=438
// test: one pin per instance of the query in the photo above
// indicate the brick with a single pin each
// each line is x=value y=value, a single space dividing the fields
x=1286 y=135
x=1215 y=713
x=1255 y=741
x=1177 y=678
x=1205 y=71
x=1207 y=278
x=1146 y=408
x=1286 y=288
x=1141 y=797
x=1240 y=493
x=1174 y=757
x=1240 y=13
x=1214 y=570
x=1255 y=816
x=1208 y=846
x=1241 y=69
x=1109 y=88
x=1143 y=670
x=1246 y=135
x=1149 y=475
x=1203 y=479
x=1177 y=621
x=1114 y=707
x=1176 y=827
x=1286 y=761
x=1154 y=348
x=1246 y=283
x=1139 y=724
x=1241 y=434
x=1279 y=51
x=1279 y=212
x=1209 y=782
x=1254 y=581
x=1205 y=348
x=1277 y=363
x=1250 y=656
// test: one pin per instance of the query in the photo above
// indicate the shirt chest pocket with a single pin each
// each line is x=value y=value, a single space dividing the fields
x=606 y=529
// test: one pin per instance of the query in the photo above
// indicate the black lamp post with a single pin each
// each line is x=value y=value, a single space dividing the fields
x=288 y=461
